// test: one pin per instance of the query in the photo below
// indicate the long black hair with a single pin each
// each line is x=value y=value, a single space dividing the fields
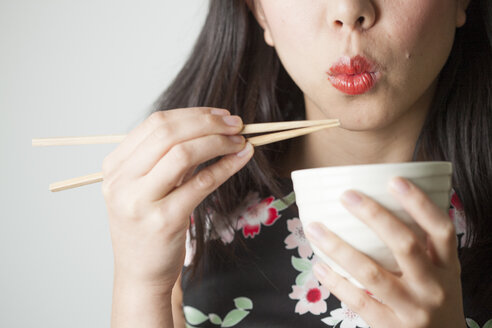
x=459 y=129
x=231 y=67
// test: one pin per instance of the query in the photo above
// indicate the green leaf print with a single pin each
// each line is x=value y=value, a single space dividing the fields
x=301 y=264
x=194 y=316
x=331 y=321
x=473 y=324
x=243 y=303
x=215 y=319
x=234 y=317
x=283 y=203
x=302 y=277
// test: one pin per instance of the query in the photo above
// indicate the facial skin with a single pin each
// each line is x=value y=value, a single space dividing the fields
x=409 y=41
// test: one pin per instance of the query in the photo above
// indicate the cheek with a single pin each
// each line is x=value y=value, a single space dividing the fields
x=425 y=29
x=291 y=20
x=421 y=39
x=296 y=28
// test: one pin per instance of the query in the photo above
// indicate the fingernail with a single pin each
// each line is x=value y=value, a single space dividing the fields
x=351 y=198
x=315 y=231
x=232 y=120
x=236 y=139
x=218 y=111
x=399 y=185
x=247 y=149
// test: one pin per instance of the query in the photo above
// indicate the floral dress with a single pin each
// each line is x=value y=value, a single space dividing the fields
x=270 y=282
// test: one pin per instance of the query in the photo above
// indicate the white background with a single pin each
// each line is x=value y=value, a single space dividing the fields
x=73 y=68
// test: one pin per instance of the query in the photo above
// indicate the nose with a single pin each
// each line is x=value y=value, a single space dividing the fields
x=352 y=14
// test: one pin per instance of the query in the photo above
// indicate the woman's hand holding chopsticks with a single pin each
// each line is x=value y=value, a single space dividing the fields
x=288 y=129
x=151 y=188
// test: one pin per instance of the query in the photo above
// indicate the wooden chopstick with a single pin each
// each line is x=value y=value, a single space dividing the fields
x=255 y=141
x=77 y=182
x=279 y=126
x=117 y=138
x=69 y=141
x=279 y=136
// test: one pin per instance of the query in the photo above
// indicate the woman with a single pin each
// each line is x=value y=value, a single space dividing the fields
x=408 y=81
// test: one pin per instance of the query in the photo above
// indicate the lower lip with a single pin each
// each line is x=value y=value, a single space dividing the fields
x=353 y=84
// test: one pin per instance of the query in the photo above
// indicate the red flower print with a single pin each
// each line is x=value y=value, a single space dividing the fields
x=457 y=215
x=311 y=297
x=456 y=202
x=260 y=212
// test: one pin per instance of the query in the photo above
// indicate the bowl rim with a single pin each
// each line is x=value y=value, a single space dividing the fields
x=364 y=168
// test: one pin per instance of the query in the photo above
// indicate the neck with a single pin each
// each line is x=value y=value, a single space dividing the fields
x=338 y=146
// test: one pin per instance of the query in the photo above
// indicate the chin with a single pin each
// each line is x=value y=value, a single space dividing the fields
x=364 y=124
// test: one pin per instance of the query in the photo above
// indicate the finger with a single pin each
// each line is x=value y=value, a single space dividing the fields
x=373 y=312
x=408 y=250
x=371 y=275
x=183 y=200
x=187 y=176
x=173 y=132
x=432 y=219
x=138 y=134
x=173 y=168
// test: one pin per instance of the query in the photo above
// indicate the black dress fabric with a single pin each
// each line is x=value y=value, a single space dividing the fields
x=268 y=281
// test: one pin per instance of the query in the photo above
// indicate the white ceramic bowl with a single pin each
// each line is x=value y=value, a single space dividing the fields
x=318 y=194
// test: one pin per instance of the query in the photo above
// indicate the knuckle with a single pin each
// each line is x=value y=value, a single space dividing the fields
x=439 y=297
x=359 y=304
x=447 y=233
x=372 y=273
x=106 y=189
x=332 y=246
x=169 y=218
x=421 y=200
x=156 y=118
x=182 y=155
x=109 y=187
x=202 y=109
x=132 y=209
x=372 y=209
x=205 y=180
x=135 y=207
x=228 y=165
x=166 y=209
x=408 y=246
x=209 y=119
x=162 y=132
x=222 y=141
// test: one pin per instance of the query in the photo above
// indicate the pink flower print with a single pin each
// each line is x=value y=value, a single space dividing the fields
x=190 y=247
x=345 y=316
x=257 y=214
x=311 y=297
x=221 y=228
x=297 y=238
x=457 y=215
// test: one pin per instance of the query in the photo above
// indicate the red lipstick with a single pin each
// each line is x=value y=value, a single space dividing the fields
x=353 y=76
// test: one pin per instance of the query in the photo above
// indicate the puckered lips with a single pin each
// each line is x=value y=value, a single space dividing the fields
x=353 y=75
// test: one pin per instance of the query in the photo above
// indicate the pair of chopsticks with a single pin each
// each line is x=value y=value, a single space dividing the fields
x=294 y=129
